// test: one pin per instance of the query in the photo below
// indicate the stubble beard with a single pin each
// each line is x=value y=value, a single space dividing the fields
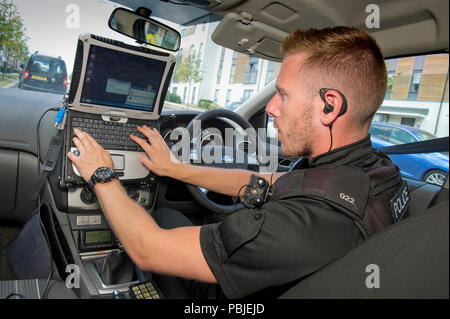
x=299 y=136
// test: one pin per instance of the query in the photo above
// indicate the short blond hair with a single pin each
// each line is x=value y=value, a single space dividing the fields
x=346 y=59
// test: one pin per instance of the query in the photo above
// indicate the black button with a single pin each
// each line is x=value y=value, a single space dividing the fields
x=257 y=216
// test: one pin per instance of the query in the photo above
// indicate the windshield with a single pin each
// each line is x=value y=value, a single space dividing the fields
x=425 y=136
x=206 y=75
x=42 y=64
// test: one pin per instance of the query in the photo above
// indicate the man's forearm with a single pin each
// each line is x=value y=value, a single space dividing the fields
x=127 y=219
x=220 y=180
x=175 y=252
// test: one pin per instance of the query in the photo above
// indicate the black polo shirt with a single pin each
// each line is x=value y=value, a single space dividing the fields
x=284 y=240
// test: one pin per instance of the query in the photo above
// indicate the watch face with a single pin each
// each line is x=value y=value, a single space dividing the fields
x=103 y=173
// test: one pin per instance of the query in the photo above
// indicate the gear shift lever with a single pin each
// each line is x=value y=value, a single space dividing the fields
x=116 y=268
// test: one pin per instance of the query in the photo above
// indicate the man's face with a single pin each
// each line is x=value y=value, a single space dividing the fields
x=292 y=110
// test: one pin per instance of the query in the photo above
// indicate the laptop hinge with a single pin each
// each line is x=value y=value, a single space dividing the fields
x=114 y=116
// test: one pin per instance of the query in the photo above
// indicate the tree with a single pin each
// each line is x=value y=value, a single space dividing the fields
x=189 y=71
x=13 y=42
x=391 y=79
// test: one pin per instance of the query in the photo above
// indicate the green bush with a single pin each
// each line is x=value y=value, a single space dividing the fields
x=173 y=98
x=213 y=106
x=205 y=103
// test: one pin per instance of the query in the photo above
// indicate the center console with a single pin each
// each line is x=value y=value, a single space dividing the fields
x=115 y=88
x=102 y=257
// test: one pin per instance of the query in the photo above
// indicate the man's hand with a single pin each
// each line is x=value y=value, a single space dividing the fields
x=92 y=155
x=159 y=159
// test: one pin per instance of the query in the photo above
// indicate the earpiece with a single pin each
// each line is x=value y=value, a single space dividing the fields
x=328 y=108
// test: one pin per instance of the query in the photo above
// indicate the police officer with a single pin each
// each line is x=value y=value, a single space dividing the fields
x=331 y=83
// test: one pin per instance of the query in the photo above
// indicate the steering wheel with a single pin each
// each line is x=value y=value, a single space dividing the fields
x=201 y=194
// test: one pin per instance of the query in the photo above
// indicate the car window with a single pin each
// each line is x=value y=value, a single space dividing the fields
x=424 y=136
x=381 y=132
x=415 y=109
x=46 y=65
x=399 y=136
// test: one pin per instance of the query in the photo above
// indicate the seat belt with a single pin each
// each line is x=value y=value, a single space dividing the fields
x=430 y=146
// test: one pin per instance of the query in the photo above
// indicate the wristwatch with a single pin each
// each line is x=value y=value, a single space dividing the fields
x=102 y=175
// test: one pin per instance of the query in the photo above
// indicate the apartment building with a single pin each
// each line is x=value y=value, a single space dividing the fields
x=418 y=95
x=229 y=77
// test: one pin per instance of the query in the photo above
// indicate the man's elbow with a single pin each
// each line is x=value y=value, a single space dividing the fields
x=199 y=273
x=142 y=264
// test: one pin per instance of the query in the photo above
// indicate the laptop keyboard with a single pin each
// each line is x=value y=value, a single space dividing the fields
x=110 y=135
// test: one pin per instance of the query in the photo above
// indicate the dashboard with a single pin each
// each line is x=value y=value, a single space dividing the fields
x=77 y=227
x=22 y=142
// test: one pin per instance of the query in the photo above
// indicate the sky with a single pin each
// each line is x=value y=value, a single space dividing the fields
x=54 y=31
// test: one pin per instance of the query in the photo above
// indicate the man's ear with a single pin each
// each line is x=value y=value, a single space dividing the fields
x=333 y=106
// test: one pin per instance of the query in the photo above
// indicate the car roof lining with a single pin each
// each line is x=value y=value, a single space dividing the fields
x=407 y=27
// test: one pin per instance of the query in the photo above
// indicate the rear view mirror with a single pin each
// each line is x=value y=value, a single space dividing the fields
x=144 y=30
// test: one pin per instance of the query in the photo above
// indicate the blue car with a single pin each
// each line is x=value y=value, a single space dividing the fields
x=428 y=167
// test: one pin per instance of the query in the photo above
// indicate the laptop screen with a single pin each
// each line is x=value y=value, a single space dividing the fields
x=118 y=79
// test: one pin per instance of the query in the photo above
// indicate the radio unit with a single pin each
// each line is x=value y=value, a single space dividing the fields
x=96 y=239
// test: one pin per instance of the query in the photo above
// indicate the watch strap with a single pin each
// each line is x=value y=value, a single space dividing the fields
x=94 y=179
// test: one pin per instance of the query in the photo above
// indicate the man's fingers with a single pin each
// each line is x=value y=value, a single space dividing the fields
x=142 y=143
x=145 y=130
x=145 y=160
x=92 y=141
x=83 y=138
x=73 y=157
x=152 y=135
x=158 y=136
x=79 y=144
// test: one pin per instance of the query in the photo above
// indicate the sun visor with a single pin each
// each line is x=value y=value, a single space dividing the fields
x=239 y=33
x=399 y=40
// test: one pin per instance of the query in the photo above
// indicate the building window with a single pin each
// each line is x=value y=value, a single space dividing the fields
x=419 y=62
x=414 y=86
x=184 y=95
x=247 y=95
x=252 y=72
x=233 y=67
x=381 y=118
x=200 y=51
x=408 y=121
x=219 y=71
x=216 y=96
x=174 y=90
x=270 y=71
x=227 y=102
x=193 y=95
